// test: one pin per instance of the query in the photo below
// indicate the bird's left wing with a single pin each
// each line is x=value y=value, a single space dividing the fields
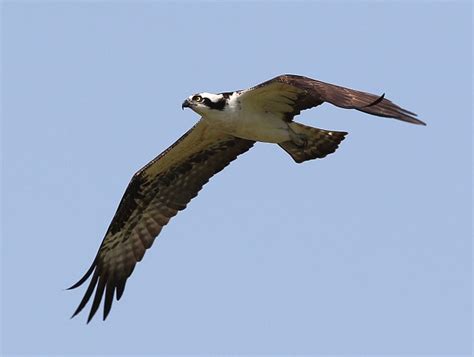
x=155 y=194
x=289 y=94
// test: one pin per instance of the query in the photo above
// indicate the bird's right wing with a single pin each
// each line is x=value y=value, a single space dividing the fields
x=155 y=194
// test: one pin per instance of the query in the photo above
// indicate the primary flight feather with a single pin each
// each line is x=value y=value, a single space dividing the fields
x=230 y=124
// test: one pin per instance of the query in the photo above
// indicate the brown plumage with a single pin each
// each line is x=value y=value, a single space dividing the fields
x=155 y=194
x=311 y=93
x=319 y=143
x=166 y=185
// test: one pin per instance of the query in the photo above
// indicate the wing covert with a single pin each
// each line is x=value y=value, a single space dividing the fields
x=154 y=195
x=303 y=93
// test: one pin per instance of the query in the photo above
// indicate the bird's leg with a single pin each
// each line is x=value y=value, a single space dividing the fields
x=299 y=140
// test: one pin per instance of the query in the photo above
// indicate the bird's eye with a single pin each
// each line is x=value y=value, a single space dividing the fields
x=197 y=98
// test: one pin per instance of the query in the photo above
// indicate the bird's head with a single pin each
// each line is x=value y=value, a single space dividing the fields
x=206 y=103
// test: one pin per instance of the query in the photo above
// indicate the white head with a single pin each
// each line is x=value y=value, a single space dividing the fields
x=206 y=103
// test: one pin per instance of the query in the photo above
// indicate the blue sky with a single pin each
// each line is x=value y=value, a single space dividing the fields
x=366 y=251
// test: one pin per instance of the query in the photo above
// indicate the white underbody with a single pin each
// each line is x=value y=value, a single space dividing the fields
x=250 y=121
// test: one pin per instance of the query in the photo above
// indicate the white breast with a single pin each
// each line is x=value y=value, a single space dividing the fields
x=253 y=122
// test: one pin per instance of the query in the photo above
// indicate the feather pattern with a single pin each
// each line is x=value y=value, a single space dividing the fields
x=166 y=185
x=302 y=93
x=154 y=195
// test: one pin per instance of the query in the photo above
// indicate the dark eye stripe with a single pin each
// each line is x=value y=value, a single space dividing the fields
x=219 y=105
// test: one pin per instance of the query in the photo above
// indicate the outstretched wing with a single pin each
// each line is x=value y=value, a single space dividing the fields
x=155 y=194
x=290 y=94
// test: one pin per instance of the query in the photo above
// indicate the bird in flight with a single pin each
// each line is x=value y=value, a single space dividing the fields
x=230 y=124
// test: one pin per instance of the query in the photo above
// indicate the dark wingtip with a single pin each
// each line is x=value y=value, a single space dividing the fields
x=419 y=122
x=85 y=277
x=97 y=297
x=391 y=110
x=76 y=285
x=78 y=310
x=75 y=313
x=87 y=294
x=377 y=101
x=109 y=297
x=120 y=289
x=411 y=118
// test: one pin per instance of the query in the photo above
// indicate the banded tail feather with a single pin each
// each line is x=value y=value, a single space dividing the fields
x=319 y=142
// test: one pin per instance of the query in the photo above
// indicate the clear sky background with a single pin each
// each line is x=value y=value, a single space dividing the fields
x=366 y=251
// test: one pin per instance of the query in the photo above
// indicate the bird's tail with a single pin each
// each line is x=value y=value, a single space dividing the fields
x=317 y=143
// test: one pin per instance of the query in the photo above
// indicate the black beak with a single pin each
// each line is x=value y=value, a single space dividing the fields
x=185 y=104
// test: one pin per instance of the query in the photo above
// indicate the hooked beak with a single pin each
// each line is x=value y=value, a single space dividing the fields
x=186 y=104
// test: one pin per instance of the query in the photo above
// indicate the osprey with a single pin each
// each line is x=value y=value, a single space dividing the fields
x=230 y=124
